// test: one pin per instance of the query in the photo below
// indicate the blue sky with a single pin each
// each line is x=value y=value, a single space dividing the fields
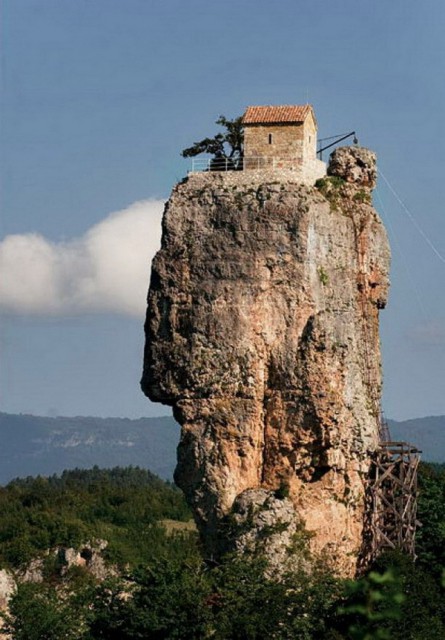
x=99 y=97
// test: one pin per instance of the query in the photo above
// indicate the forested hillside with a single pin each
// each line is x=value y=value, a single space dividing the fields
x=122 y=506
x=163 y=588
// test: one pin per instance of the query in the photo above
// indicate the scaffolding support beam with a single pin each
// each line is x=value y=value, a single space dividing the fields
x=393 y=493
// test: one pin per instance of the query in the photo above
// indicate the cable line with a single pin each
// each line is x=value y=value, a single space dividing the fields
x=405 y=263
x=413 y=220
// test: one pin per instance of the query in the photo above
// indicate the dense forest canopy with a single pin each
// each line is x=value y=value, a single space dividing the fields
x=122 y=506
x=167 y=590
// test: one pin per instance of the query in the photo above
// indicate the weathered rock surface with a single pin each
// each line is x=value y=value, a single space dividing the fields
x=355 y=165
x=89 y=556
x=262 y=523
x=7 y=588
x=262 y=333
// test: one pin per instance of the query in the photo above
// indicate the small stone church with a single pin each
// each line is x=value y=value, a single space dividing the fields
x=282 y=138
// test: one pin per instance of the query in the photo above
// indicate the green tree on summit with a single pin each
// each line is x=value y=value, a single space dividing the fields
x=226 y=148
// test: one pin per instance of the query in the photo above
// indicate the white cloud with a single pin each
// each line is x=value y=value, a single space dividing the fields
x=107 y=269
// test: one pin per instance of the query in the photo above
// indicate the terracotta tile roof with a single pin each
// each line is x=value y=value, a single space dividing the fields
x=282 y=113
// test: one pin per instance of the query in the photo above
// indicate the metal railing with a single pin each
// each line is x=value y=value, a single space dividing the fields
x=246 y=163
x=217 y=164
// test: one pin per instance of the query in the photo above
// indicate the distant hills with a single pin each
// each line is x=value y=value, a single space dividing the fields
x=428 y=434
x=33 y=445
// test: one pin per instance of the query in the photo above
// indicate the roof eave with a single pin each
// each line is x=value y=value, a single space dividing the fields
x=246 y=124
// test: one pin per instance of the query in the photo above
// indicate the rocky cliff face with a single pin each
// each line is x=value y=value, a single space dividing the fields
x=262 y=333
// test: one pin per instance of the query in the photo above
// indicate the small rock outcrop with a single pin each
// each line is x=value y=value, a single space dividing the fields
x=354 y=165
x=8 y=587
x=89 y=556
x=262 y=334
